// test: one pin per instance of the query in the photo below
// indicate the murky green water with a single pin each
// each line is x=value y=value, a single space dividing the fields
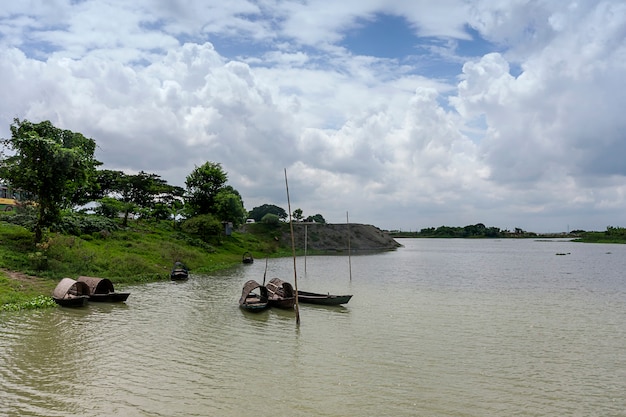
x=437 y=328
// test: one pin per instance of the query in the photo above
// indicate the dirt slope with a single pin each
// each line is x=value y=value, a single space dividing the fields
x=334 y=237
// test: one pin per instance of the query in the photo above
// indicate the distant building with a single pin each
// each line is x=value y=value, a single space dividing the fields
x=228 y=228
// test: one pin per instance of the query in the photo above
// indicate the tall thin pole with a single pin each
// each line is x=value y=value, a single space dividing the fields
x=306 y=241
x=293 y=250
x=349 y=250
x=265 y=272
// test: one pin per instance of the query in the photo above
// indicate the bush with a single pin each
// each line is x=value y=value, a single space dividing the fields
x=25 y=217
x=204 y=227
x=271 y=219
x=78 y=224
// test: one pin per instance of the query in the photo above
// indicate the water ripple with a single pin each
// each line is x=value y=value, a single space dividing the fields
x=502 y=328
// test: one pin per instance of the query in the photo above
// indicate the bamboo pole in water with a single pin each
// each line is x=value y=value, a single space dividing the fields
x=349 y=251
x=265 y=272
x=306 y=240
x=293 y=250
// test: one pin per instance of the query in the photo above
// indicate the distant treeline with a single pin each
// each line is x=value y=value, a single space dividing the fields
x=478 y=230
x=611 y=235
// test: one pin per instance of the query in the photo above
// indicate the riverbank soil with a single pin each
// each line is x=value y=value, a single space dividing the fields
x=339 y=237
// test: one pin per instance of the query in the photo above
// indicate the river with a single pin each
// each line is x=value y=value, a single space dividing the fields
x=436 y=328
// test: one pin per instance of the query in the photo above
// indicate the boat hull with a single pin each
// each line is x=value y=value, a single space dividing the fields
x=285 y=303
x=179 y=275
x=322 y=299
x=114 y=297
x=254 y=306
x=72 y=301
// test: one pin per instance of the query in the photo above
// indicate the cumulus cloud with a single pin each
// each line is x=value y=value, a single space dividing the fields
x=525 y=133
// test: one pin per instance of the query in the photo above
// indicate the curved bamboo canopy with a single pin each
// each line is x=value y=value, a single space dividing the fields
x=250 y=286
x=68 y=286
x=281 y=288
x=97 y=285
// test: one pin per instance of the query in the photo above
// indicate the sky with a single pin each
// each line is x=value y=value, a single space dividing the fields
x=401 y=114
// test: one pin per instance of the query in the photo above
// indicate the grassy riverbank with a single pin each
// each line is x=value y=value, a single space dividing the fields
x=143 y=252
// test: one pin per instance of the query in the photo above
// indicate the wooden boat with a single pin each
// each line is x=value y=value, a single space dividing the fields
x=101 y=289
x=322 y=299
x=281 y=293
x=70 y=293
x=179 y=272
x=254 y=297
x=247 y=258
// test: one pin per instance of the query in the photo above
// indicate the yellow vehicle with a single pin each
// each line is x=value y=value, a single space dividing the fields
x=11 y=198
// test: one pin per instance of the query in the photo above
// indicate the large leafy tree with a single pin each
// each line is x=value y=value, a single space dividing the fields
x=143 y=192
x=207 y=193
x=203 y=185
x=169 y=202
x=51 y=163
x=229 y=206
x=259 y=212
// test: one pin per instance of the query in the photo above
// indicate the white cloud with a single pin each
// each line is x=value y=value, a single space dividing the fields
x=530 y=136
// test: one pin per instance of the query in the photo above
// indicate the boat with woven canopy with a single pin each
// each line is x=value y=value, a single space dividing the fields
x=254 y=297
x=101 y=289
x=70 y=293
x=281 y=293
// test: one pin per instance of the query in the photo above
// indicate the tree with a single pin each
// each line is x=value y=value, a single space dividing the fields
x=203 y=184
x=51 y=163
x=169 y=202
x=143 y=192
x=297 y=215
x=109 y=207
x=229 y=207
x=258 y=213
x=317 y=218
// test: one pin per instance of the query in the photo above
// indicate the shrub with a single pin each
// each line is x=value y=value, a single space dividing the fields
x=78 y=224
x=271 y=219
x=204 y=227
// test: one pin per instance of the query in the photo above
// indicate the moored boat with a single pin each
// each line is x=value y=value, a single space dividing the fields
x=322 y=299
x=247 y=258
x=179 y=272
x=281 y=293
x=254 y=297
x=70 y=293
x=101 y=289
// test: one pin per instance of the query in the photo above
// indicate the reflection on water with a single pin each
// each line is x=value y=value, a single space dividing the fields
x=437 y=328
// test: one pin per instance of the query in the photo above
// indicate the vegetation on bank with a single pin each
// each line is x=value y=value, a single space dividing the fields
x=477 y=231
x=610 y=235
x=143 y=251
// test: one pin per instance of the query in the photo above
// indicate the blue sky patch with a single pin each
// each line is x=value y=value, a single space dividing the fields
x=385 y=37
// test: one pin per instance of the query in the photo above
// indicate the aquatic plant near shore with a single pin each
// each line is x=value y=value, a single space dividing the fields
x=40 y=301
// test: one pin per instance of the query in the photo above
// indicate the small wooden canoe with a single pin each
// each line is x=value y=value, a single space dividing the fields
x=322 y=299
x=247 y=258
x=101 y=289
x=254 y=297
x=70 y=293
x=281 y=293
x=179 y=272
